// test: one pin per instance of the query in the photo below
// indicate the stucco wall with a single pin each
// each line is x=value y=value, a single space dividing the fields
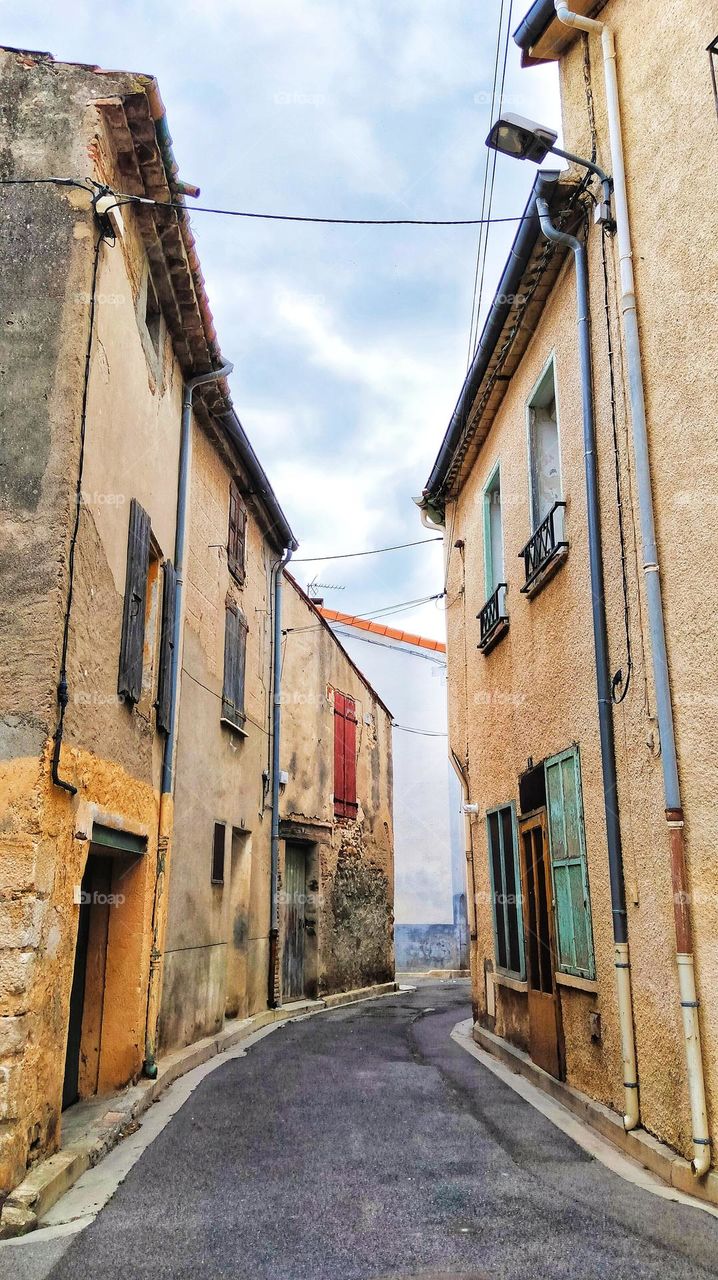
x=356 y=880
x=535 y=693
x=216 y=952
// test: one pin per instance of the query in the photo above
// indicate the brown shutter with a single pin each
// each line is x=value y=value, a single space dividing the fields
x=129 y=683
x=236 y=538
x=167 y=644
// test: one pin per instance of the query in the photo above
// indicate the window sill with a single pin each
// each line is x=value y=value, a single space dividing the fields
x=577 y=984
x=513 y=984
x=236 y=728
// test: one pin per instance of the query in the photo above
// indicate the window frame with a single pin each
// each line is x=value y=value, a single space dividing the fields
x=551 y=363
x=576 y=971
x=497 y=810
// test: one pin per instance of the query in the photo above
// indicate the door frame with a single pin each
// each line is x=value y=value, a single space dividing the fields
x=538 y=998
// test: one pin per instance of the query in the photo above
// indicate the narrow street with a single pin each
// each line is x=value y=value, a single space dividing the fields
x=365 y=1143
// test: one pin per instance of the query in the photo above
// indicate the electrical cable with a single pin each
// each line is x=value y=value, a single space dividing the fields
x=372 y=614
x=495 y=156
x=424 y=733
x=351 y=555
x=483 y=194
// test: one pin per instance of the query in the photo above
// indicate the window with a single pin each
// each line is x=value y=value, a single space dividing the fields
x=129 y=683
x=493 y=533
x=493 y=618
x=218 y=845
x=345 y=769
x=544 y=454
x=237 y=536
x=153 y=315
x=235 y=653
x=505 y=890
x=574 y=933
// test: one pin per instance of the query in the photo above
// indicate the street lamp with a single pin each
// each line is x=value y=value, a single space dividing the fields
x=524 y=139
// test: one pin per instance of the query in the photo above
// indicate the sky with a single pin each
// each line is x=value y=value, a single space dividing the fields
x=349 y=344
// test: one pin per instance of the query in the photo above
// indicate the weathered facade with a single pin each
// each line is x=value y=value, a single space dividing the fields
x=336 y=809
x=142 y=547
x=522 y=670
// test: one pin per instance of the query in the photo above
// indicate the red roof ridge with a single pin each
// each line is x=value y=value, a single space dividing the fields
x=366 y=624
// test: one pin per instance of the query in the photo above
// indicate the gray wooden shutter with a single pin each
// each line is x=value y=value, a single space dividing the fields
x=237 y=533
x=235 y=649
x=129 y=683
x=167 y=644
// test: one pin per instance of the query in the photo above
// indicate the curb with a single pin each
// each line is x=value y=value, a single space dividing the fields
x=112 y=1118
x=637 y=1143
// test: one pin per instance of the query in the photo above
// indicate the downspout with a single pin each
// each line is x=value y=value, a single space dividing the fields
x=460 y=772
x=603 y=676
x=664 y=710
x=273 y=997
x=166 y=813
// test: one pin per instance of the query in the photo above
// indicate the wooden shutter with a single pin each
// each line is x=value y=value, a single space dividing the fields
x=345 y=785
x=237 y=535
x=572 y=904
x=339 y=757
x=350 y=757
x=235 y=652
x=167 y=644
x=129 y=683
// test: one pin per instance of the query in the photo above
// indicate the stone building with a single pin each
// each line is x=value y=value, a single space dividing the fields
x=430 y=917
x=567 y=897
x=143 y=547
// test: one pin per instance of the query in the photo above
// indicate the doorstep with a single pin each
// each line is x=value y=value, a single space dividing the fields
x=637 y=1143
x=90 y=1129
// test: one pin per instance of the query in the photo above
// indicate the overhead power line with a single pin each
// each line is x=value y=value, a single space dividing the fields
x=124 y=199
x=351 y=555
x=424 y=733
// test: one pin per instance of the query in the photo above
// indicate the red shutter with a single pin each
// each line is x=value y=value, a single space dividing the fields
x=350 y=758
x=339 y=754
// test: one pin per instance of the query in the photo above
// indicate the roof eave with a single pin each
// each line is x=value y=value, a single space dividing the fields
x=505 y=300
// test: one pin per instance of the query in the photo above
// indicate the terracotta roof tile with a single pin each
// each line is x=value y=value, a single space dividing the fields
x=366 y=624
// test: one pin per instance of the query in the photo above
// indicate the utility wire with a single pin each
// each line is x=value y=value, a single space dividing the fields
x=124 y=199
x=424 y=733
x=374 y=613
x=351 y=555
x=483 y=193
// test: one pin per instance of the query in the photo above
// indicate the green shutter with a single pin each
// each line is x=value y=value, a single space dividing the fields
x=569 y=873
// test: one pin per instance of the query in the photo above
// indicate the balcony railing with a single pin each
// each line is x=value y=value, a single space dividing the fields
x=493 y=619
x=545 y=550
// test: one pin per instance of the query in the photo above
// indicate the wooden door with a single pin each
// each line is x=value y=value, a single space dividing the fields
x=544 y=1011
x=295 y=899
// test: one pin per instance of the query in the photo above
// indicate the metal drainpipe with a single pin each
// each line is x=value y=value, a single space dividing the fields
x=279 y=568
x=603 y=675
x=166 y=815
x=664 y=709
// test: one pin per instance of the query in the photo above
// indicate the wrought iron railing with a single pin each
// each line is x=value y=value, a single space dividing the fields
x=545 y=549
x=493 y=619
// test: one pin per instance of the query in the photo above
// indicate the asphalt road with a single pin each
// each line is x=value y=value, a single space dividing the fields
x=364 y=1143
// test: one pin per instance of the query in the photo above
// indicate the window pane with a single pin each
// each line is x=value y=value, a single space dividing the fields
x=498 y=886
x=512 y=891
